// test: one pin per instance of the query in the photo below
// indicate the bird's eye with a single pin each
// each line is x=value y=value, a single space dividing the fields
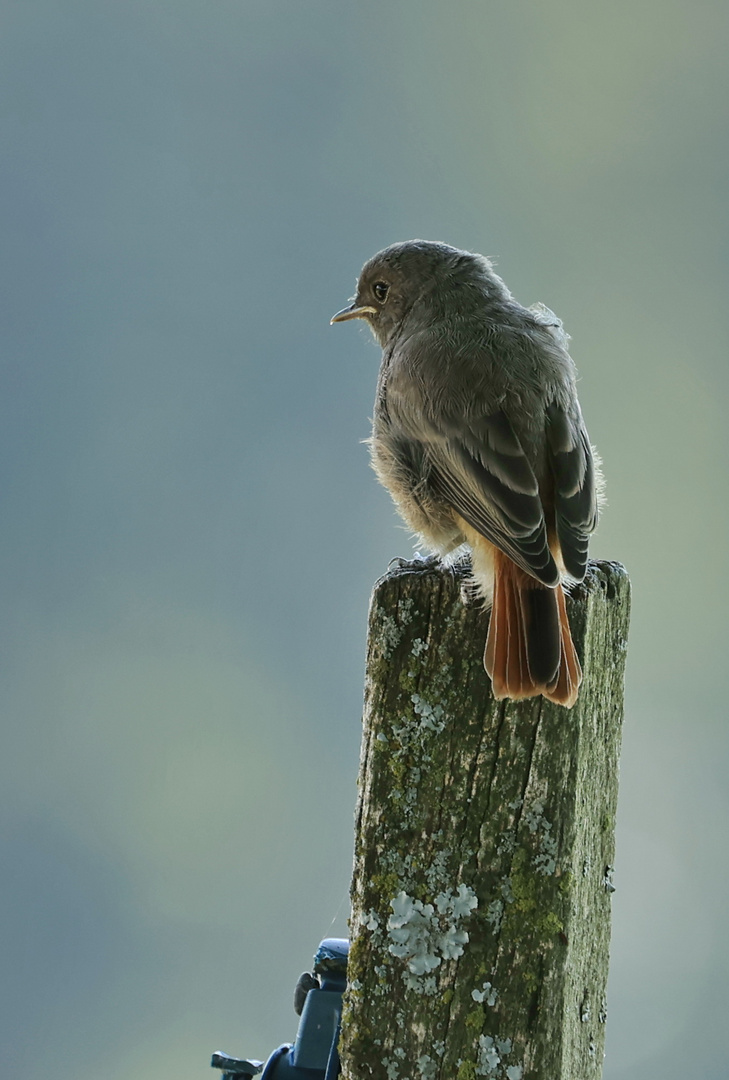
x=380 y=289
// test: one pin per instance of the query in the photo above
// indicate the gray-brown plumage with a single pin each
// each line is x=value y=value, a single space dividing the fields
x=478 y=436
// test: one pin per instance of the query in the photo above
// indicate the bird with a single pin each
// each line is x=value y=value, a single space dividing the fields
x=478 y=436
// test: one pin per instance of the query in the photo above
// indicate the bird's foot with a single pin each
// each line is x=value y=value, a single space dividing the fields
x=417 y=562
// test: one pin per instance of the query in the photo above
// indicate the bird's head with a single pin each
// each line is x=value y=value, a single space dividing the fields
x=397 y=280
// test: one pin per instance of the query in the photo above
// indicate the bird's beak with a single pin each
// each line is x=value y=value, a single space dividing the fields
x=352 y=312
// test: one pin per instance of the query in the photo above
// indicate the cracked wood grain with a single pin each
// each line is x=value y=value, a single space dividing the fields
x=484 y=845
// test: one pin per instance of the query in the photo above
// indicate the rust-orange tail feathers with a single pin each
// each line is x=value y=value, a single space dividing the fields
x=529 y=648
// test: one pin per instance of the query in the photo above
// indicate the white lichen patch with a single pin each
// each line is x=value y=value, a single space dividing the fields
x=494 y=914
x=418 y=647
x=390 y=634
x=491 y=1059
x=400 y=865
x=392 y=1068
x=507 y=843
x=427 y=1067
x=371 y=920
x=436 y=875
x=486 y=993
x=405 y=610
x=423 y=935
x=545 y=860
x=408 y=743
x=427 y=986
x=432 y=717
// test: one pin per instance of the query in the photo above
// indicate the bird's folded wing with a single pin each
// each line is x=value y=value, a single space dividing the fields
x=483 y=472
x=575 y=494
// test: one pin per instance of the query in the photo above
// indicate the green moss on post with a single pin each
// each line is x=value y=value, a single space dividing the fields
x=484 y=845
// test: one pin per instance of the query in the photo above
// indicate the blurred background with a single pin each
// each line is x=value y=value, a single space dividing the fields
x=190 y=529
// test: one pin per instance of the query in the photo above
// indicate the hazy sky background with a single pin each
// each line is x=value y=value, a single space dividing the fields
x=188 y=189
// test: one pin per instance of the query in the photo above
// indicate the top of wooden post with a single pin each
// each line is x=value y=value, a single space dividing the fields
x=484 y=844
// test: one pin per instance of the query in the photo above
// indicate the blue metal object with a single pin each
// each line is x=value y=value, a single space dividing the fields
x=313 y=1055
x=235 y=1067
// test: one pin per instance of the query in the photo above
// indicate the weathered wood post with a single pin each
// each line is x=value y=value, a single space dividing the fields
x=484 y=845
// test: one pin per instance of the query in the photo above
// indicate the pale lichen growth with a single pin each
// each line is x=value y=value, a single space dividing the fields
x=408 y=750
x=405 y=610
x=419 y=647
x=507 y=843
x=392 y=1068
x=390 y=635
x=490 y=1061
x=423 y=935
x=545 y=860
x=432 y=716
x=425 y=986
x=436 y=875
x=371 y=920
x=495 y=914
x=506 y=890
x=427 y=1067
x=487 y=993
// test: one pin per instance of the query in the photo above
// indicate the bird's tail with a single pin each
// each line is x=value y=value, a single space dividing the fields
x=529 y=648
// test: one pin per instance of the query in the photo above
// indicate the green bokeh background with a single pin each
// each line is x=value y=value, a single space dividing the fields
x=190 y=527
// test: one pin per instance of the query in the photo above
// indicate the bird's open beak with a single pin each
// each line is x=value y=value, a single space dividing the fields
x=352 y=312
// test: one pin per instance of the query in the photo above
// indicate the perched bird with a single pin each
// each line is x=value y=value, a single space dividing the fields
x=478 y=436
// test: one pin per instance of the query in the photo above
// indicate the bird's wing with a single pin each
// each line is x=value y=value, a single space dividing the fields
x=575 y=489
x=484 y=474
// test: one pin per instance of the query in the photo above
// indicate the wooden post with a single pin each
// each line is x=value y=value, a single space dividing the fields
x=484 y=845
